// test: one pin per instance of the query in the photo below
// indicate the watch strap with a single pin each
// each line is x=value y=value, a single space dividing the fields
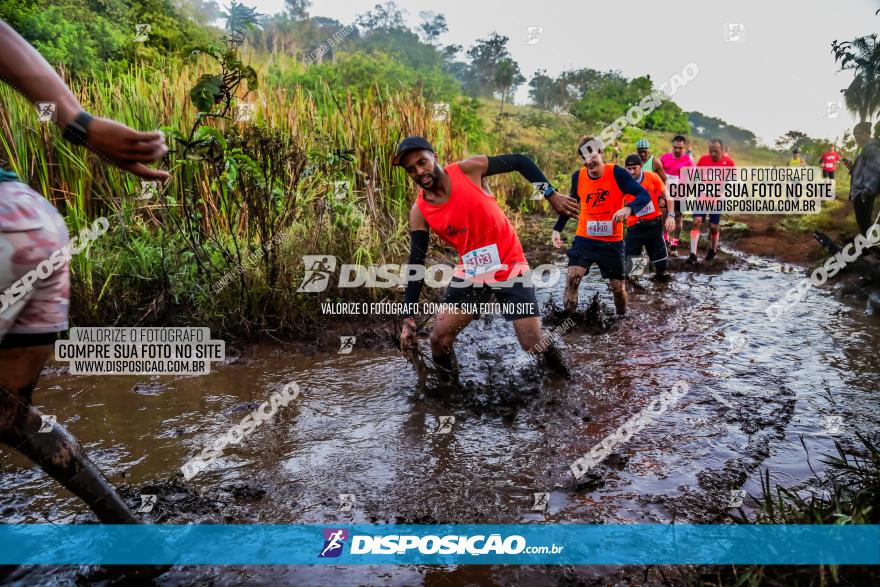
x=77 y=130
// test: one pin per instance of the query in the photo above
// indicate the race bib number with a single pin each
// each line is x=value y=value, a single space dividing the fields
x=483 y=260
x=649 y=209
x=600 y=228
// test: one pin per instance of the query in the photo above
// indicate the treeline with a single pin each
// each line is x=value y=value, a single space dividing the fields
x=378 y=50
x=94 y=37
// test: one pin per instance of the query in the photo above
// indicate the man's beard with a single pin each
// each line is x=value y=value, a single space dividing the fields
x=429 y=180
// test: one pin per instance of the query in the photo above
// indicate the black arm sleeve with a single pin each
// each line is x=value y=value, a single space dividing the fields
x=563 y=218
x=418 y=250
x=516 y=162
x=630 y=186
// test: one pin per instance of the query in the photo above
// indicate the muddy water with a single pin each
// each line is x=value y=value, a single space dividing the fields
x=362 y=427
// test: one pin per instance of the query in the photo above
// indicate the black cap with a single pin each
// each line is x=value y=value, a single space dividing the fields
x=410 y=144
x=632 y=160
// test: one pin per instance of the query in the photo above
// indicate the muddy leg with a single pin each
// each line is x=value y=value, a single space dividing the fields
x=572 y=285
x=446 y=329
x=56 y=451
x=528 y=332
x=618 y=289
x=714 y=235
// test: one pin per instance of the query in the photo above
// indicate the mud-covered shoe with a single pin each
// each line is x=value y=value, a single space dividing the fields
x=710 y=255
x=551 y=362
x=673 y=247
x=692 y=260
x=446 y=367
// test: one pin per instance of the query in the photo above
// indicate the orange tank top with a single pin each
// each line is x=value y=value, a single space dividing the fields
x=472 y=221
x=654 y=186
x=600 y=199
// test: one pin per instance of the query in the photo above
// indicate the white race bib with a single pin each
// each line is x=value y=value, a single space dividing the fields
x=600 y=228
x=646 y=210
x=483 y=260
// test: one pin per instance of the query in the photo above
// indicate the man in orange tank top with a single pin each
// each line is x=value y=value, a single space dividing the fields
x=601 y=188
x=454 y=203
x=645 y=229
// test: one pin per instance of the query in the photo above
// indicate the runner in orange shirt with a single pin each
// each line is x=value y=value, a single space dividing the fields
x=645 y=229
x=601 y=188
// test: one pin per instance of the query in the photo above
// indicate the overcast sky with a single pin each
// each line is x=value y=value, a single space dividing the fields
x=778 y=76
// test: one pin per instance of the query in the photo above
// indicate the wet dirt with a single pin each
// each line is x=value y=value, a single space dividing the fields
x=363 y=426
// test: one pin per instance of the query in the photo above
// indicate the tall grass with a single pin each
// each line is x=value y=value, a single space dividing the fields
x=159 y=261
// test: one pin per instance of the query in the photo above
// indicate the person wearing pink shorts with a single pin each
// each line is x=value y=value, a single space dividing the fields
x=35 y=278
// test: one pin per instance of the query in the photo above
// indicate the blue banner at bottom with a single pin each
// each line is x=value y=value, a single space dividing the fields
x=521 y=544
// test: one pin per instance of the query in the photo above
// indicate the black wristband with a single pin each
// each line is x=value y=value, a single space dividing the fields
x=77 y=130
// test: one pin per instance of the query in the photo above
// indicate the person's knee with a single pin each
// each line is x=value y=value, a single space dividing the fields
x=442 y=340
x=573 y=280
x=617 y=287
x=713 y=229
x=528 y=341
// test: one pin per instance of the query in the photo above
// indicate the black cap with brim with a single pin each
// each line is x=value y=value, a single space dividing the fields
x=632 y=160
x=412 y=143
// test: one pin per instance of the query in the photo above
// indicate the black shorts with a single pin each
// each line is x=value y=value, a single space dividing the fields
x=827 y=174
x=607 y=255
x=648 y=234
x=517 y=299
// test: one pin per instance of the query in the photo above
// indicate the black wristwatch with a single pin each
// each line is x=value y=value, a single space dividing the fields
x=77 y=130
x=549 y=191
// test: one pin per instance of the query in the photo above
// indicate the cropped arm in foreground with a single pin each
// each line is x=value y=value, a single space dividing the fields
x=23 y=68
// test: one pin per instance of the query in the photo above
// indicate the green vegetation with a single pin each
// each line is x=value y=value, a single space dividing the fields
x=330 y=102
x=851 y=495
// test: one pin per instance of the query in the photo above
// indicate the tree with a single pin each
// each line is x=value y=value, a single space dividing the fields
x=298 y=9
x=507 y=78
x=547 y=92
x=433 y=25
x=386 y=17
x=791 y=140
x=487 y=57
x=202 y=12
x=861 y=55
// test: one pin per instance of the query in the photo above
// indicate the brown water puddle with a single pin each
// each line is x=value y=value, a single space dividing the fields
x=361 y=427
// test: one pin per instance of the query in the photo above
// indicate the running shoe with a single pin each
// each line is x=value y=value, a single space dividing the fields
x=673 y=247
x=710 y=255
x=692 y=260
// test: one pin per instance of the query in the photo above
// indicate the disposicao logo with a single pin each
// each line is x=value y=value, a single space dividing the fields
x=334 y=540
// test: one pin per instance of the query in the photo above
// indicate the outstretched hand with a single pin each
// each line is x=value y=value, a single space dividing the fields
x=127 y=148
x=564 y=204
